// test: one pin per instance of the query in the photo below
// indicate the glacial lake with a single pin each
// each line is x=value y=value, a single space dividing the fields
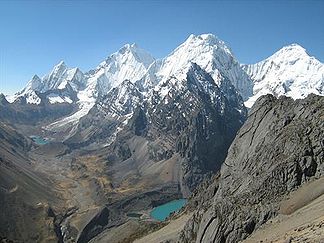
x=161 y=212
x=39 y=140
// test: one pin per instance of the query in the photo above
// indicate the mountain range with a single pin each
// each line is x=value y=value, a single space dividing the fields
x=136 y=132
x=290 y=71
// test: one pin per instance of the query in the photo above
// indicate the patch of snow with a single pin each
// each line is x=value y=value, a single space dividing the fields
x=32 y=98
x=53 y=99
x=164 y=91
x=11 y=98
x=85 y=104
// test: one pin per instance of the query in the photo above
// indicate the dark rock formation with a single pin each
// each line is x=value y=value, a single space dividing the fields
x=280 y=147
x=199 y=119
x=3 y=100
x=138 y=122
x=95 y=226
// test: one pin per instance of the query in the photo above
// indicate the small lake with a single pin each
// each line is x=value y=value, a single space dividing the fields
x=161 y=212
x=39 y=140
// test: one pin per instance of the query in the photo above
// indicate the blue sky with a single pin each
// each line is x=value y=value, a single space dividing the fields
x=35 y=35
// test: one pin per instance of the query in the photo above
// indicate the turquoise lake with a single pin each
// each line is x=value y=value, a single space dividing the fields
x=39 y=140
x=161 y=212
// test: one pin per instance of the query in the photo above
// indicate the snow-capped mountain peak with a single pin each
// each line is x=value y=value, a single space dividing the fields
x=128 y=53
x=57 y=71
x=129 y=62
x=34 y=83
x=291 y=71
x=290 y=54
x=60 y=78
x=60 y=65
x=292 y=48
x=199 y=49
x=206 y=40
x=212 y=55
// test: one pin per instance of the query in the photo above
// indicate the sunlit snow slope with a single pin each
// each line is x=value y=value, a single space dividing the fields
x=290 y=72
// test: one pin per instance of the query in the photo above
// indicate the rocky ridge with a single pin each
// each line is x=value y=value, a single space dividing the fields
x=278 y=149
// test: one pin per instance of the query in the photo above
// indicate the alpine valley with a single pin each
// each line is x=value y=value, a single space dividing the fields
x=86 y=155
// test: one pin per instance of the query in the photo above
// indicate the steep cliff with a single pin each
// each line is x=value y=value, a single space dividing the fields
x=278 y=149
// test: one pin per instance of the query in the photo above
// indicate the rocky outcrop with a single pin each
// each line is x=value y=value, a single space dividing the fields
x=95 y=225
x=138 y=123
x=279 y=148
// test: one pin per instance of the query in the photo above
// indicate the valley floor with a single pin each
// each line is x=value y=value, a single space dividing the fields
x=78 y=192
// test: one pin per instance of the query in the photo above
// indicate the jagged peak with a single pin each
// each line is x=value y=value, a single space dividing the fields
x=3 y=99
x=36 y=78
x=130 y=47
x=34 y=83
x=58 y=68
x=75 y=71
x=206 y=50
x=200 y=49
x=125 y=48
x=60 y=64
x=209 y=38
